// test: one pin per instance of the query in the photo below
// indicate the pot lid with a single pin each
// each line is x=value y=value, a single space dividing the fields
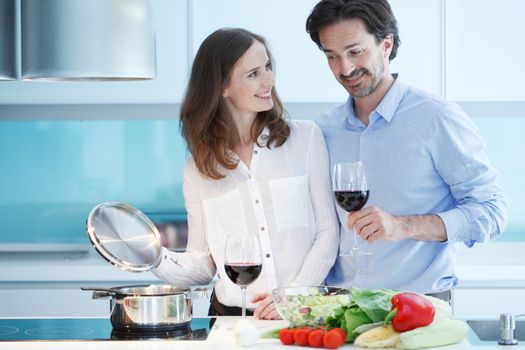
x=143 y=290
x=124 y=236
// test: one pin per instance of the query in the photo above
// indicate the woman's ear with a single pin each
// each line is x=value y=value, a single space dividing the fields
x=225 y=94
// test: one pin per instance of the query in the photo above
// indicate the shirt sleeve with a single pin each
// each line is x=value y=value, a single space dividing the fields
x=195 y=266
x=457 y=148
x=324 y=249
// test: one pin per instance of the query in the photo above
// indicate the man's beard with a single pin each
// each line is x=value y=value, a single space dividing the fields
x=366 y=89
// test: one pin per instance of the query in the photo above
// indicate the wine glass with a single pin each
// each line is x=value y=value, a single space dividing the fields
x=243 y=261
x=351 y=193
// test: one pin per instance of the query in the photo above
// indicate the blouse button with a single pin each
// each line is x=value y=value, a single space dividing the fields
x=267 y=255
x=262 y=228
x=256 y=201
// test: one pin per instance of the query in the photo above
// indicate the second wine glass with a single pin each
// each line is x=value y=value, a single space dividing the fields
x=243 y=262
x=351 y=193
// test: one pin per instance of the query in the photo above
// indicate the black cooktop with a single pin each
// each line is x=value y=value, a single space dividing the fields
x=96 y=329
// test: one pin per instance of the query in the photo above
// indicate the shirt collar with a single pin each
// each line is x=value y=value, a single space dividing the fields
x=261 y=140
x=386 y=108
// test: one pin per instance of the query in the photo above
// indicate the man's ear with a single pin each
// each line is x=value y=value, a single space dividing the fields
x=388 y=45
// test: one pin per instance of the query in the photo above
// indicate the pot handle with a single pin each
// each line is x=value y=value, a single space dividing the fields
x=100 y=293
x=197 y=293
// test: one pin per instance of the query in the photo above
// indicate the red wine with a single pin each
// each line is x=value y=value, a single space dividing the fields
x=243 y=274
x=351 y=200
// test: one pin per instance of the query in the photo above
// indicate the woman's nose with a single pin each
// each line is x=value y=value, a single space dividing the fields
x=269 y=79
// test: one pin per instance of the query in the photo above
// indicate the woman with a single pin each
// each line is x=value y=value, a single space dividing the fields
x=251 y=171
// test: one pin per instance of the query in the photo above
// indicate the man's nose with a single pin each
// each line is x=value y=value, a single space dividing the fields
x=347 y=66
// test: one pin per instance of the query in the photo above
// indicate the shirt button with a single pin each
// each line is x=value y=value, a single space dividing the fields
x=249 y=176
x=267 y=255
x=262 y=228
x=256 y=201
x=255 y=152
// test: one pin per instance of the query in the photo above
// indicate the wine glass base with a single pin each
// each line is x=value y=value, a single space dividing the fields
x=355 y=253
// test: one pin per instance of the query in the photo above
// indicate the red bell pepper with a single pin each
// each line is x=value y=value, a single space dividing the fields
x=410 y=311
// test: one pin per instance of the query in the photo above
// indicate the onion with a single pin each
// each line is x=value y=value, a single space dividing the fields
x=245 y=333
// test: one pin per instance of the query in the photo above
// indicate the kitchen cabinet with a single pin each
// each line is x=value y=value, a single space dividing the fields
x=447 y=48
x=171 y=24
x=302 y=73
x=488 y=302
x=301 y=70
x=50 y=300
x=491 y=280
x=419 y=60
x=67 y=299
x=484 y=59
x=48 y=285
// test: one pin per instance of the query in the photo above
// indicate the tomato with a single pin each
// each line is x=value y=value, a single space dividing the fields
x=300 y=336
x=341 y=332
x=315 y=338
x=286 y=336
x=333 y=339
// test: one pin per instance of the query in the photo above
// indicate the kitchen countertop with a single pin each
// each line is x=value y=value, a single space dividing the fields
x=221 y=337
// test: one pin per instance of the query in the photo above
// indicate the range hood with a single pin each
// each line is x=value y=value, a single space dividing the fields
x=8 y=36
x=86 y=40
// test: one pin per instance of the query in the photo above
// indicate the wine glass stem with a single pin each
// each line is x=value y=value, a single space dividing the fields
x=355 y=239
x=243 y=291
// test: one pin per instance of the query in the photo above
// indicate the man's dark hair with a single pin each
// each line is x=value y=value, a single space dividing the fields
x=377 y=16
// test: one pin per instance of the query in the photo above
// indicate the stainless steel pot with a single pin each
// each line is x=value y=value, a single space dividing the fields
x=148 y=308
x=126 y=238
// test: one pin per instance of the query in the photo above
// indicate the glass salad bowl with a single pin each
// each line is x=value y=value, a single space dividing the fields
x=309 y=306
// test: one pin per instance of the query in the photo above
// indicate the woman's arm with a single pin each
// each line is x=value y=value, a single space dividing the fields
x=196 y=265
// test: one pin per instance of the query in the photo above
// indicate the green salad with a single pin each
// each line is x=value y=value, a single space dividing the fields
x=312 y=310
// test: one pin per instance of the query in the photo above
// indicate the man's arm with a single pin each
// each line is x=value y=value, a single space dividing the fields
x=373 y=224
x=479 y=214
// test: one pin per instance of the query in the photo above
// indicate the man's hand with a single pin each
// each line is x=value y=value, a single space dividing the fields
x=265 y=309
x=373 y=224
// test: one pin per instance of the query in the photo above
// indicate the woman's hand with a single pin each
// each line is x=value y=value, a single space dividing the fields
x=265 y=309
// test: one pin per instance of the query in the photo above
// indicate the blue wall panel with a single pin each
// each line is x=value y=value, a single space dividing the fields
x=54 y=172
x=504 y=145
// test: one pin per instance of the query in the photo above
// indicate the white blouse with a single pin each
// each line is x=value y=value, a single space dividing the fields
x=285 y=197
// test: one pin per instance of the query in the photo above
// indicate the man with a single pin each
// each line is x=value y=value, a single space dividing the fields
x=431 y=184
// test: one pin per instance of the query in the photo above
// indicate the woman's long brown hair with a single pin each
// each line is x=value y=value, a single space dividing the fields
x=205 y=121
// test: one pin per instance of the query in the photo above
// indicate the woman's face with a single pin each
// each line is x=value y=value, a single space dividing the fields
x=251 y=81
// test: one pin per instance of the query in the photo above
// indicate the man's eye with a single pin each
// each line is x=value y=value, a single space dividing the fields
x=268 y=66
x=355 y=52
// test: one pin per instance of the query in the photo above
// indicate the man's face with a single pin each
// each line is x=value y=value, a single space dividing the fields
x=358 y=62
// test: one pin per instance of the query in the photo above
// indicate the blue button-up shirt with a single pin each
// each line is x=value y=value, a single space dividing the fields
x=422 y=155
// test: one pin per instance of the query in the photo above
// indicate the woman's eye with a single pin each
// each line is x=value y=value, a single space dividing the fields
x=253 y=74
